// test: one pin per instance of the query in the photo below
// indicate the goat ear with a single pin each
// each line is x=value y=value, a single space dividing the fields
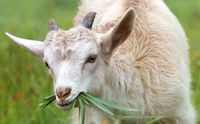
x=119 y=33
x=35 y=47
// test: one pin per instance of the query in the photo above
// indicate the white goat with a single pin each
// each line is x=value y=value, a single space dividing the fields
x=136 y=55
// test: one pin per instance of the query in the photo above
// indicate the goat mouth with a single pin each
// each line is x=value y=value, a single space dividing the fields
x=62 y=105
x=66 y=106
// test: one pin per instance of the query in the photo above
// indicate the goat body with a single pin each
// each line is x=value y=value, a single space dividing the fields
x=150 y=70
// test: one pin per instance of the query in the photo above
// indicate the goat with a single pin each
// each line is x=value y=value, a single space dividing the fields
x=130 y=52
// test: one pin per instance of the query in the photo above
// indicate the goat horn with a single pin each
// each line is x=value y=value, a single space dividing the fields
x=35 y=47
x=88 y=20
x=52 y=25
x=21 y=41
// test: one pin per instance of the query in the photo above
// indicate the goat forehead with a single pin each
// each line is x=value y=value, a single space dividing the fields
x=62 y=43
x=72 y=36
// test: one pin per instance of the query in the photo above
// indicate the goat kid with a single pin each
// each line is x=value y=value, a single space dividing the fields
x=137 y=59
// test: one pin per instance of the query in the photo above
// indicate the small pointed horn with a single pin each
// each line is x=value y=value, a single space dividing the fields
x=52 y=25
x=35 y=47
x=88 y=20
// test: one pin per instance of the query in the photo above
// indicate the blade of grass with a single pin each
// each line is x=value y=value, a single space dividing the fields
x=46 y=101
x=85 y=100
x=154 y=120
x=133 y=117
x=115 y=106
x=75 y=103
x=81 y=110
x=50 y=97
x=98 y=105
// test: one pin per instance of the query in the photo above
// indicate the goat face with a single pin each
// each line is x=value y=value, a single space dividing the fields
x=77 y=59
x=73 y=60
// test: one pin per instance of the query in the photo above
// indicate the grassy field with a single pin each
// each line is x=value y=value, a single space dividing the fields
x=24 y=80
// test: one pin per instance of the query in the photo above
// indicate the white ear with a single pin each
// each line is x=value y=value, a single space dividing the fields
x=119 y=33
x=35 y=47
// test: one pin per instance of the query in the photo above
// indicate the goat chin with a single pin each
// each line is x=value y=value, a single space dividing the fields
x=66 y=107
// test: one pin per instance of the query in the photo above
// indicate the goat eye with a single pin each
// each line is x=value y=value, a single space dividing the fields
x=91 y=59
x=47 y=65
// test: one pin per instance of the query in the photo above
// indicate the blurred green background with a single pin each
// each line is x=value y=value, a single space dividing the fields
x=24 y=80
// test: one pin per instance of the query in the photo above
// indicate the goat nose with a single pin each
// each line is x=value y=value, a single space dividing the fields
x=63 y=94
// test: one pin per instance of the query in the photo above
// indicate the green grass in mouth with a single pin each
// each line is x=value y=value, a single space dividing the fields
x=87 y=99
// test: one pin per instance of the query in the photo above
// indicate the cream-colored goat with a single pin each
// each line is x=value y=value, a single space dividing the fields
x=135 y=55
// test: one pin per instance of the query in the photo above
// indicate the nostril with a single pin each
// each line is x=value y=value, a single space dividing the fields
x=63 y=94
x=67 y=92
x=59 y=93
